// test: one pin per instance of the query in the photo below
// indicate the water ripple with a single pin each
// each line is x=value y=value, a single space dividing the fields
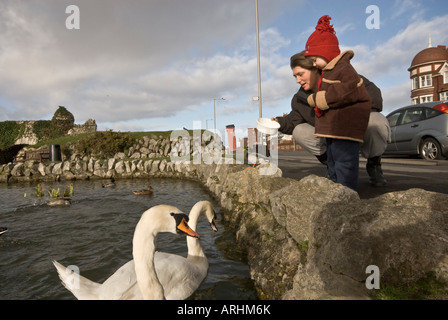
x=95 y=233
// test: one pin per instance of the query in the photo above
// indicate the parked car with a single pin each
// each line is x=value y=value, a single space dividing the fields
x=420 y=129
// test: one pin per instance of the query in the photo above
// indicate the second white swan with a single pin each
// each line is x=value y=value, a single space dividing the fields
x=182 y=276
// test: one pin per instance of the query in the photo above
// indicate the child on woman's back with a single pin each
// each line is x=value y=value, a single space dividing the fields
x=342 y=104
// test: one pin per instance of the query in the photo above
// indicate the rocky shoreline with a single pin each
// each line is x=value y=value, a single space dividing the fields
x=307 y=239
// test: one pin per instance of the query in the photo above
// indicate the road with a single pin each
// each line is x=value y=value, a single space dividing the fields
x=400 y=173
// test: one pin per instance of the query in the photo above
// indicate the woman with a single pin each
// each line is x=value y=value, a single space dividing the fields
x=302 y=114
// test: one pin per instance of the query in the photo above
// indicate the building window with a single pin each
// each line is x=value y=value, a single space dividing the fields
x=445 y=77
x=444 y=96
x=414 y=100
x=414 y=83
x=427 y=98
x=425 y=81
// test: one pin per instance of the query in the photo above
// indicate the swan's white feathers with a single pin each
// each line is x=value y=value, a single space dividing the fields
x=122 y=285
x=182 y=280
x=82 y=288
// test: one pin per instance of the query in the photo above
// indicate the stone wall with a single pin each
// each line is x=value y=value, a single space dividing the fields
x=314 y=239
x=307 y=239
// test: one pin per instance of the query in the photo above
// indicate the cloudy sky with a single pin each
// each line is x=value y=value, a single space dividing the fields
x=159 y=65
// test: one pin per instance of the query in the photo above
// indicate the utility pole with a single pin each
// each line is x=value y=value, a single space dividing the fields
x=258 y=59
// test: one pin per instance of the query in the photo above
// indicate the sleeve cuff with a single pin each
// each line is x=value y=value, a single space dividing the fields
x=310 y=100
x=321 y=101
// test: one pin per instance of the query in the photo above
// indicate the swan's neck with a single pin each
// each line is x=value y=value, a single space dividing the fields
x=143 y=253
x=193 y=244
x=194 y=247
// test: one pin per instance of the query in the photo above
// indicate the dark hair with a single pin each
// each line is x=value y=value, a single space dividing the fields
x=299 y=60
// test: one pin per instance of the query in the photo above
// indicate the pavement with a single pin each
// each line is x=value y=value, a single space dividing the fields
x=400 y=173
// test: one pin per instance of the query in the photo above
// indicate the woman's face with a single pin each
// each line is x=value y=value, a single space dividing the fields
x=306 y=78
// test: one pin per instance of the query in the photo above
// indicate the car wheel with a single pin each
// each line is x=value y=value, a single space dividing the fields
x=430 y=150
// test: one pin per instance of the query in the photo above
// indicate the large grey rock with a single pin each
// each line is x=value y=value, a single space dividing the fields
x=18 y=170
x=404 y=234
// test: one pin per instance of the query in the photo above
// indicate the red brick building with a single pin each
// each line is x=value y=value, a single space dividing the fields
x=429 y=75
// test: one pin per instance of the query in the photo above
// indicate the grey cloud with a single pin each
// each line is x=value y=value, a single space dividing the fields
x=127 y=54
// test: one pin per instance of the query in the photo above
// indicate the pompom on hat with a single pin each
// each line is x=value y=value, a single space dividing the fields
x=323 y=42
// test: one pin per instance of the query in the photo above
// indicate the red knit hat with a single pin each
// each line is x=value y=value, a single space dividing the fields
x=323 y=42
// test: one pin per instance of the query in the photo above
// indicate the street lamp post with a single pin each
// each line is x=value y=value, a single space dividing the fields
x=214 y=109
x=206 y=123
x=258 y=59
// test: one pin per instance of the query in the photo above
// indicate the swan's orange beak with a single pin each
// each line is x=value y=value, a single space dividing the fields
x=185 y=228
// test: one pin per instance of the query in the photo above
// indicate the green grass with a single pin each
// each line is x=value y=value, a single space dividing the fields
x=427 y=288
x=63 y=140
x=139 y=135
x=73 y=139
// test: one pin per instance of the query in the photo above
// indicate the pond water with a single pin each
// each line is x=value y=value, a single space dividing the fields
x=95 y=234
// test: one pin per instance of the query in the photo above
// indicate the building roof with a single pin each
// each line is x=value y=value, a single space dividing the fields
x=430 y=54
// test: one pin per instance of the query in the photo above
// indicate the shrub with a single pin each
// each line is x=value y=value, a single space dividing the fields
x=9 y=132
x=104 y=144
x=44 y=130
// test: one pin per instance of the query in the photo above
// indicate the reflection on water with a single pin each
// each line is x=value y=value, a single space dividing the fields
x=95 y=234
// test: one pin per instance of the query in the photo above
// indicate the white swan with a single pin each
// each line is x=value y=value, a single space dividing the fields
x=143 y=283
x=181 y=276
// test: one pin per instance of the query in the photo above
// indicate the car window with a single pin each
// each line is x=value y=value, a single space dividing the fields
x=431 y=113
x=413 y=115
x=393 y=118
